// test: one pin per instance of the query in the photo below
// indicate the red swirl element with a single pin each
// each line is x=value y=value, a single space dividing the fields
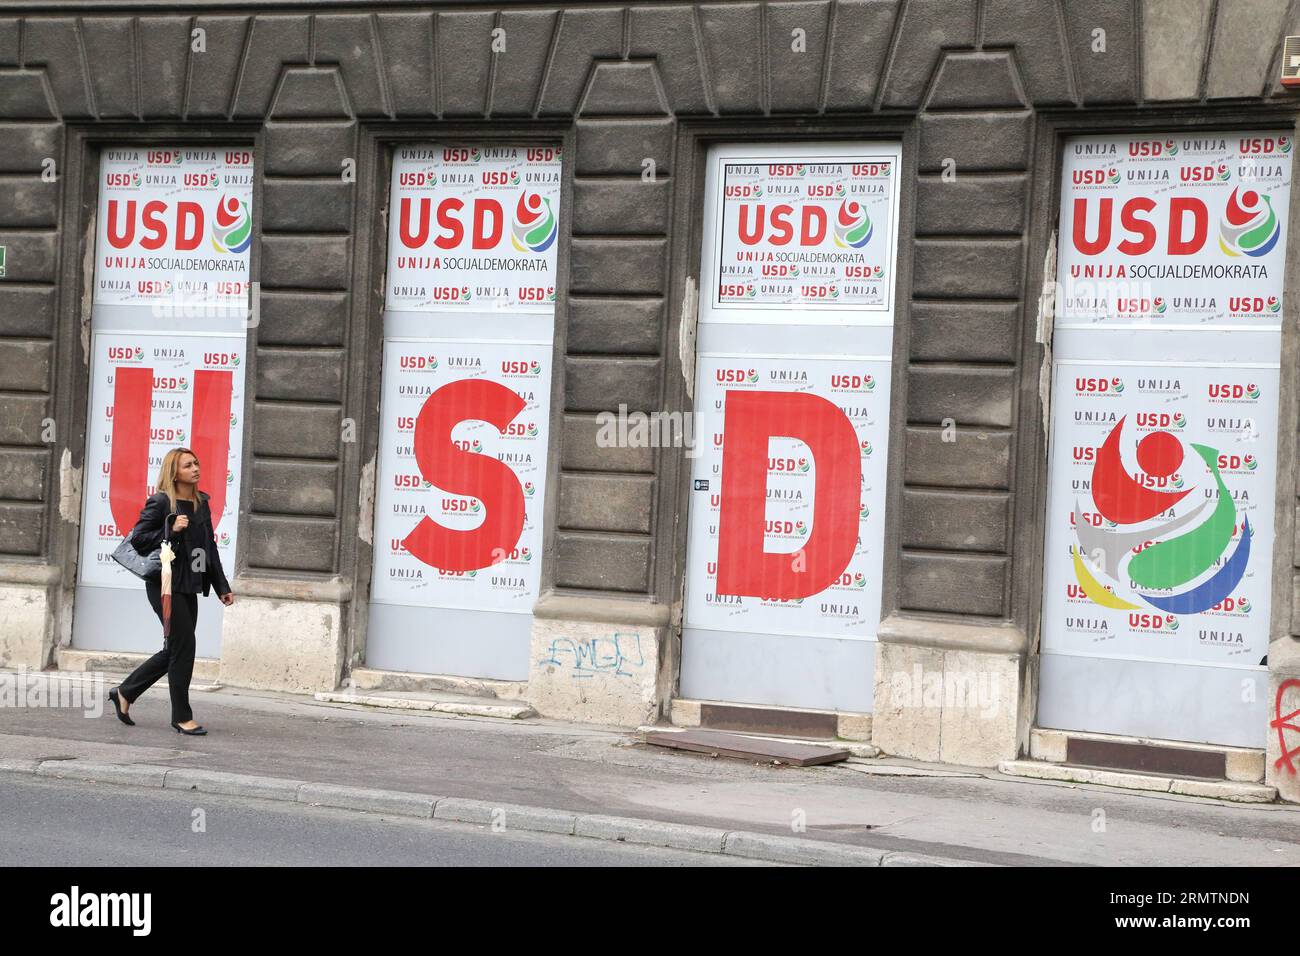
x=848 y=215
x=1239 y=211
x=227 y=211
x=1118 y=496
x=528 y=209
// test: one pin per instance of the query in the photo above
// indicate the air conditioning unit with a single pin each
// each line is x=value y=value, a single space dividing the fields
x=1291 y=62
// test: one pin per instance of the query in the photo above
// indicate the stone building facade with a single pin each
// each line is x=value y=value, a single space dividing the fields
x=980 y=96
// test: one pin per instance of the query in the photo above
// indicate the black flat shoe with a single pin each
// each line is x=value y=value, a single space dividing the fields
x=117 y=706
x=196 y=732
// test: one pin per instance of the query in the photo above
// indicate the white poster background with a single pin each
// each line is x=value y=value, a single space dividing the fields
x=412 y=371
x=175 y=227
x=1233 y=410
x=814 y=233
x=848 y=608
x=174 y=360
x=441 y=194
x=1154 y=270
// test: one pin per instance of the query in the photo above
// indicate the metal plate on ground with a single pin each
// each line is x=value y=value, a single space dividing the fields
x=747 y=748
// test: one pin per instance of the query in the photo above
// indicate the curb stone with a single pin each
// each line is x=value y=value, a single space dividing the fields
x=512 y=815
x=360 y=798
x=783 y=849
x=231 y=784
x=740 y=843
x=679 y=836
x=140 y=775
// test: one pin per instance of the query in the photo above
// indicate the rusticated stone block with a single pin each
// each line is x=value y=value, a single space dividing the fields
x=731 y=36
x=300 y=375
x=629 y=326
x=610 y=146
x=986 y=268
x=602 y=384
x=953 y=583
x=965 y=331
x=969 y=396
x=975 y=81
x=928 y=28
x=582 y=36
x=671 y=35
x=407 y=42
x=518 y=76
x=302 y=318
x=955 y=521
x=296 y=431
x=291 y=205
x=606 y=502
x=977 y=459
x=295 y=487
x=581 y=449
x=347 y=39
x=213 y=74
x=464 y=61
x=289 y=544
x=305 y=262
x=975 y=142
x=602 y=562
x=795 y=75
x=628 y=266
x=1033 y=27
x=969 y=205
x=307 y=149
x=614 y=206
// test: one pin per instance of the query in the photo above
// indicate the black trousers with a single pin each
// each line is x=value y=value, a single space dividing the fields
x=176 y=659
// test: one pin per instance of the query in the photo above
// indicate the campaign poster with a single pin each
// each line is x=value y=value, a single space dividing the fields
x=1173 y=231
x=1160 y=512
x=175 y=230
x=473 y=229
x=150 y=393
x=788 y=495
x=462 y=471
x=810 y=235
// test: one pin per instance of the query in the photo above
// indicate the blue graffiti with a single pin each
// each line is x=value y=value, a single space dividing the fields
x=609 y=654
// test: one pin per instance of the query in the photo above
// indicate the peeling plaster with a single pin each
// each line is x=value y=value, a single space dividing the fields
x=69 y=489
x=366 y=520
x=686 y=335
x=87 y=285
x=1043 y=332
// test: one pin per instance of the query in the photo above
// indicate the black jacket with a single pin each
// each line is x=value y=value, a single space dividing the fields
x=155 y=523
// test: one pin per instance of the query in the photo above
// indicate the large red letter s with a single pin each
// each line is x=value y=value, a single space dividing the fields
x=751 y=418
x=466 y=473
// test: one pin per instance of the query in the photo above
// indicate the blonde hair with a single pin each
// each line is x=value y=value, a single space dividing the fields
x=167 y=475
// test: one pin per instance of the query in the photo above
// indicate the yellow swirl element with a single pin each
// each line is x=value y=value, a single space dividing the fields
x=1094 y=590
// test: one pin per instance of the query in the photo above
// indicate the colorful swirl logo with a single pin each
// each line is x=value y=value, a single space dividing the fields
x=853 y=227
x=232 y=227
x=1187 y=547
x=1249 y=225
x=535 y=226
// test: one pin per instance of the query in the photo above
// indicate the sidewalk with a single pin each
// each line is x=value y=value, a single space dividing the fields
x=889 y=806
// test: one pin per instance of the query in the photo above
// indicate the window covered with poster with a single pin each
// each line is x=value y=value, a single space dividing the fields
x=468 y=330
x=1165 y=403
x=169 y=318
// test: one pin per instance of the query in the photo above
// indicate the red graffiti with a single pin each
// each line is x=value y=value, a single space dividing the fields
x=1283 y=723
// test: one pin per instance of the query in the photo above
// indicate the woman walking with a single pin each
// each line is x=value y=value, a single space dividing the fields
x=177 y=514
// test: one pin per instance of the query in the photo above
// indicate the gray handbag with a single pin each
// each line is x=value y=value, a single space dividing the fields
x=141 y=565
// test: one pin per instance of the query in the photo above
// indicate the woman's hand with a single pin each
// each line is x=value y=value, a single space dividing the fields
x=180 y=524
x=228 y=598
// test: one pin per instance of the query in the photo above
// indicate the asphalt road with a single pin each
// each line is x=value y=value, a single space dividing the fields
x=46 y=822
